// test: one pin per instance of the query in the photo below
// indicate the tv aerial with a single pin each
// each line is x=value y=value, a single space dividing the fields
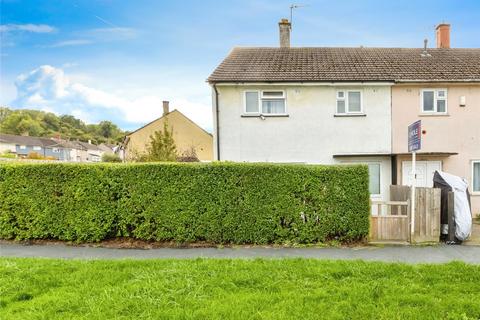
x=292 y=7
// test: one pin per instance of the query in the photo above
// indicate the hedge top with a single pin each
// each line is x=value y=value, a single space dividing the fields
x=216 y=202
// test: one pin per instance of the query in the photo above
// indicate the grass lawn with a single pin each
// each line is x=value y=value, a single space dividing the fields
x=236 y=289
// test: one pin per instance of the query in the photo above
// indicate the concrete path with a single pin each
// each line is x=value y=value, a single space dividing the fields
x=429 y=254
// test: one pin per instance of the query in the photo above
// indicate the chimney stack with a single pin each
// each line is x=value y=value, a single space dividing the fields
x=165 y=107
x=443 y=36
x=285 y=27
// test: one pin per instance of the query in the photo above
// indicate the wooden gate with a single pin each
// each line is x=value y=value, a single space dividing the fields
x=393 y=221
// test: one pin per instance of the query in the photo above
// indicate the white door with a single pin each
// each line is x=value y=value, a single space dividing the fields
x=425 y=171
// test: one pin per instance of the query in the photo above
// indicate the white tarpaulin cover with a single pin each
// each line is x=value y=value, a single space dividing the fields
x=462 y=212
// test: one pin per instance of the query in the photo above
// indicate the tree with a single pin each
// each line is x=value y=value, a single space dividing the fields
x=51 y=121
x=4 y=113
x=162 y=146
x=21 y=123
x=43 y=124
x=107 y=129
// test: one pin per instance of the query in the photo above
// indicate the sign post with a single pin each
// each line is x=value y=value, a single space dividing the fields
x=414 y=144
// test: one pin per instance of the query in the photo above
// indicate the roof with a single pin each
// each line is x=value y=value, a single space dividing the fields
x=261 y=64
x=22 y=140
x=165 y=115
x=46 y=142
x=89 y=146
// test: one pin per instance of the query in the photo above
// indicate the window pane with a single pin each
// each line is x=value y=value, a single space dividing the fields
x=441 y=106
x=441 y=94
x=476 y=177
x=341 y=94
x=340 y=106
x=428 y=101
x=277 y=94
x=374 y=180
x=273 y=106
x=251 y=100
x=354 y=102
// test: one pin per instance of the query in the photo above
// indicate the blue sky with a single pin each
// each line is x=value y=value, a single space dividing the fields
x=117 y=59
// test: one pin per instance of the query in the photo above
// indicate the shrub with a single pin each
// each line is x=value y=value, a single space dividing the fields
x=184 y=202
x=8 y=155
x=35 y=155
x=110 y=157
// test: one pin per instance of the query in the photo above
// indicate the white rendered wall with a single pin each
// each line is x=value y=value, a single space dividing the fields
x=311 y=133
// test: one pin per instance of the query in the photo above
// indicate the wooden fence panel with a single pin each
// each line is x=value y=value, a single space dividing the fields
x=427 y=215
x=390 y=225
x=389 y=228
x=392 y=222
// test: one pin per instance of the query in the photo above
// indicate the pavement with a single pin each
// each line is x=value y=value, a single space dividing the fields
x=406 y=254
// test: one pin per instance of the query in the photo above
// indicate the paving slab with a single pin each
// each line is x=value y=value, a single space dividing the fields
x=406 y=254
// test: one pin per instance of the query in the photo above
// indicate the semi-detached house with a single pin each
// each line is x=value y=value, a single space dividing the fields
x=350 y=105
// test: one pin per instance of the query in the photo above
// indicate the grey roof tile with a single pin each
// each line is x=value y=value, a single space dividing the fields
x=347 y=64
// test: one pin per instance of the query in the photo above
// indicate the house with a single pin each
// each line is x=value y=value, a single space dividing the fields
x=63 y=150
x=187 y=135
x=344 y=105
x=109 y=148
x=446 y=98
x=22 y=146
x=86 y=151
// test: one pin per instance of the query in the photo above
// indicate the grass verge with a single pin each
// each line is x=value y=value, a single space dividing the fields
x=236 y=289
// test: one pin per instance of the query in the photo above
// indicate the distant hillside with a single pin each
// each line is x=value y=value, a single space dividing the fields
x=46 y=124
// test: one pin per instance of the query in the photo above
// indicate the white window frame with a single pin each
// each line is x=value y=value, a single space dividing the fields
x=376 y=195
x=473 y=165
x=261 y=97
x=37 y=148
x=435 y=99
x=245 y=102
x=23 y=147
x=380 y=176
x=345 y=98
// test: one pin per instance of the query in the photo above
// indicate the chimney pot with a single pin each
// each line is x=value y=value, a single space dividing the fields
x=165 y=107
x=443 y=35
x=284 y=27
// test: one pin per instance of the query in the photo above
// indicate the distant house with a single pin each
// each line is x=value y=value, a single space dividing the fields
x=186 y=133
x=86 y=152
x=108 y=148
x=63 y=150
x=22 y=146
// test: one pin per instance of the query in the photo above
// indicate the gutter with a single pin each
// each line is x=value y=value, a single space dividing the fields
x=217 y=121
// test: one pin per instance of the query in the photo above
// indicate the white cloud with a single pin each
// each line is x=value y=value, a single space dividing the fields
x=69 y=43
x=35 y=28
x=49 y=87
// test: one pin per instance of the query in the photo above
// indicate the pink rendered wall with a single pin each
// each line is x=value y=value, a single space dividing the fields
x=458 y=131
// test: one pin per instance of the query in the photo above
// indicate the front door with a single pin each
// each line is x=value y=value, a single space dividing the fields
x=425 y=171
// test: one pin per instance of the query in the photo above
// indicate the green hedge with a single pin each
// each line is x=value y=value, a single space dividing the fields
x=219 y=202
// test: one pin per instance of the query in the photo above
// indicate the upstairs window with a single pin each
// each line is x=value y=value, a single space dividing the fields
x=349 y=102
x=251 y=102
x=434 y=101
x=265 y=102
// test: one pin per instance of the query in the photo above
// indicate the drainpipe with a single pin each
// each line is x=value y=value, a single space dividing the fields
x=217 y=121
